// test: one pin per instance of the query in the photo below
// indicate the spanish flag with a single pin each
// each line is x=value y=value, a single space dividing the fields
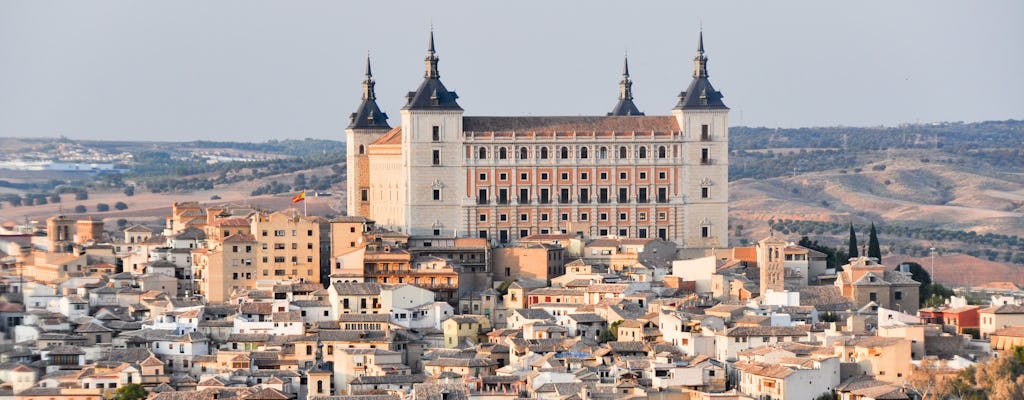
x=299 y=197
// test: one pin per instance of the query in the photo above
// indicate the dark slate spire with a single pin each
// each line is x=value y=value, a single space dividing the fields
x=431 y=95
x=700 y=94
x=368 y=115
x=625 y=106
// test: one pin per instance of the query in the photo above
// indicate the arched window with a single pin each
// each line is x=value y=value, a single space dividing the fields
x=661 y=152
x=523 y=153
x=502 y=153
x=565 y=152
x=483 y=153
x=623 y=153
x=544 y=153
x=603 y=153
x=584 y=152
x=362 y=150
x=643 y=152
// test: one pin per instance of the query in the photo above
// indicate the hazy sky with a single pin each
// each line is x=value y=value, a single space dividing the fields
x=256 y=70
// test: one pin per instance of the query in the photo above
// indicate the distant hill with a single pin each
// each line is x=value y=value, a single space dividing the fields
x=956 y=187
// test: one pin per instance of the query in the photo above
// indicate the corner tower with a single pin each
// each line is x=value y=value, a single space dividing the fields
x=432 y=156
x=704 y=185
x=366 y=125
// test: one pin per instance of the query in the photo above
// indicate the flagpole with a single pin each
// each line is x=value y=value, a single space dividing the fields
x=305 y=212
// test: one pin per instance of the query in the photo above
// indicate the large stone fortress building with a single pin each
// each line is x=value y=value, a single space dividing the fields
x=442 y=173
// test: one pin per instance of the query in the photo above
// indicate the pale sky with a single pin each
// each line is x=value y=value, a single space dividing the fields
x=252 y=70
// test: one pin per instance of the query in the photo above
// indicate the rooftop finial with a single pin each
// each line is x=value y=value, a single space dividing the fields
x=700 y=62
x=625 y=85
x=368 y=93
x=431 y=59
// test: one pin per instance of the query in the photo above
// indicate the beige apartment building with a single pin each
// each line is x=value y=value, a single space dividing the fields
x=289 y=246
x=440 y=173
x=228 y=265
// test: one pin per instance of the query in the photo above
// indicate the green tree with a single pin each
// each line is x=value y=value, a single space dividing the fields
x=131 y=391
x=80 y=209
x=102 y=207
x=120 y=205
x=874 y=249
x=611 y=334
x=81 y=195
x=129 y=191
x=934 y=295
x=853 y=243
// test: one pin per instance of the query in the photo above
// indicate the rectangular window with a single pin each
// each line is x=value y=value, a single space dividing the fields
x=364 y=195
x=437 y=157
x=545 y=196
x=436 y=133
x=543 y=176
x=663 y=195
x=524 y=233
x=642 y=233
x=564 y=196
x=502 y=217
x=603 y=216
x=705 y=132
x=544 y=217
x=524 y=196
x=502 y=176
x=623 y=232
x=584 y=195
x=584 y=217
x=524 y=176
x=604 y=176
x=483 y=217
x=705 y=156
x=643 y=176
x=524 y=217
x=623 y=195
x=705 y=231
x=662 y=175
x=565 y=216
x=483 y=176
x=705 y=192
x=565 y=176
x=437 y=194
x=481 y=197
x=482 y=234
x=502 y=196
x=602 y=195
x=623 y=216
x=641 y=195
x=584 y=176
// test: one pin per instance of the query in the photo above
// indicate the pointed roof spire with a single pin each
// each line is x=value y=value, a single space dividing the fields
x=431 y=59
x=432 y=94
x=700 y=62
x=701 y=94
x=369 y=115
x=368 y=83
x=625 y=106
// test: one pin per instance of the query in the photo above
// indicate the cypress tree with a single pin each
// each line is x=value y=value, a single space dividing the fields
x=853 y=252
x=874 y=250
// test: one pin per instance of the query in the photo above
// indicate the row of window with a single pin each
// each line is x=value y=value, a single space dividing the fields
x=565 y=152
x=583 y=195
x=525 y=217
x=584 y=175
x=662 y=233
x=283 y=232
x=705 y=154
